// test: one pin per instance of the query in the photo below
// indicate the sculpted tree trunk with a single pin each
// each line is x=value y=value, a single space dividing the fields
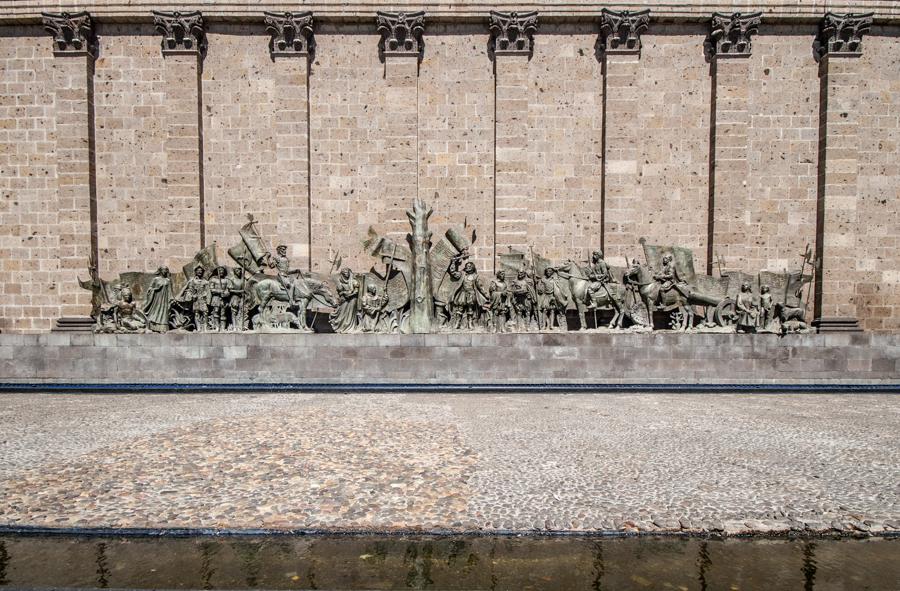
x=421 y=301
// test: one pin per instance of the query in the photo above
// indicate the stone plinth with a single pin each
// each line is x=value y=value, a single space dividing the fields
x=453 y=359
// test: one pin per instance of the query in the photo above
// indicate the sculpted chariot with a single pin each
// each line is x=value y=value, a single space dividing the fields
x=427 y=287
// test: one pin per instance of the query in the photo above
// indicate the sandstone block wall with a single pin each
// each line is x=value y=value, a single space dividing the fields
x=459 y=359
x=566 y=149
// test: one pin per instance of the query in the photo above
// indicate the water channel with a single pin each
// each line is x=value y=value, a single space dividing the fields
x=395 y=562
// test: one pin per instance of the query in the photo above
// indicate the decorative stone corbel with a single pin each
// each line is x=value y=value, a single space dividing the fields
x=183 y=32
x=730 y=35
x=620 y=32
x=841 y=34
x=513 y=32
x=292 y=33
x=73 y=34
x=401 y=33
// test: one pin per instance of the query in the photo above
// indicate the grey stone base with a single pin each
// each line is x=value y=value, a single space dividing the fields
x=565 y=358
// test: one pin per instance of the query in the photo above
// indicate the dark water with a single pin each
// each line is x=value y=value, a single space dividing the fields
x=448 y=563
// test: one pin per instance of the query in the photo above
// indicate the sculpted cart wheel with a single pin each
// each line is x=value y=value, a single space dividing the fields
x=725 y=314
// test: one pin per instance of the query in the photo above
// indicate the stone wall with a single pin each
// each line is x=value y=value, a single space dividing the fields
x=722 y=159
x=457 y=359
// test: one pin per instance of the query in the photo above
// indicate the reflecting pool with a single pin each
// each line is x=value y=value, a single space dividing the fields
x=395 y=562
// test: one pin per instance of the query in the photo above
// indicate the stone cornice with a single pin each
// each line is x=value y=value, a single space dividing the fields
x=461 y=10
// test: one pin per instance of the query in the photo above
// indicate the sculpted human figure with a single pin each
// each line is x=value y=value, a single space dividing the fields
x=668 y=277
x=158 y=301
x=237 y=300
x=282 y=265
x=126 y=315
x=372 y=309
x=551 y=300
x=95 y=286
x=524 y=300
x=500 y=304
x=598 y=274
x=218 y=294
x=344 y=317
x=765 y=307
x=196 y=294
x=746 y=309
x=469 y=299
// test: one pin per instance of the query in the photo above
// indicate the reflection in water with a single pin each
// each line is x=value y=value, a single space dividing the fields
x=102 y=566
x=703 y=563
x=4 y=562
x=809 y=566
x=249 y=554
x=451 y=563
x=208 y=551
x=598 y=570
x=419 y=575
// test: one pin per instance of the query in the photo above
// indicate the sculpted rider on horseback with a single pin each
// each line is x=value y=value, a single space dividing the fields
x=669 y=279
x=282 y=265
x=599 y=276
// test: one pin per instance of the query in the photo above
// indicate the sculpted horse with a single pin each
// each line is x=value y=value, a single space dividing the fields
x=654 y=297
x=610 y=297
x=304 y=291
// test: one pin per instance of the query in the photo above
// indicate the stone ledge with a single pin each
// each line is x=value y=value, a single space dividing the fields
x=487 y=359
x=121 y=10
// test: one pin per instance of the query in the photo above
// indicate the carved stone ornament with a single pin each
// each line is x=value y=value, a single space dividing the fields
x=620 y=32
x=292 y=33
x=183 y=32
x=731 y=34
x=72 y=33
x=513 y=32
x=401 y=32
x=842 y=34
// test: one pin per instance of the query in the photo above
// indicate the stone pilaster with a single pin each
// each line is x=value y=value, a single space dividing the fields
x=74 y=45
x=620 y=47
x=183 y=47
x=291 y=46
x=728 y=49
x=839 y=45
x=511 y=46
x=401 y=47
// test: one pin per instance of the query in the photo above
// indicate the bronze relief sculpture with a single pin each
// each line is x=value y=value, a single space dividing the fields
x=428 y=287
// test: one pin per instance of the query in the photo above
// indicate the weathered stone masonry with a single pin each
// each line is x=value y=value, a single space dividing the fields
x=136 y=140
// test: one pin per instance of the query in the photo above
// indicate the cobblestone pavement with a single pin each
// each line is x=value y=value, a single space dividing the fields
x=633 y=462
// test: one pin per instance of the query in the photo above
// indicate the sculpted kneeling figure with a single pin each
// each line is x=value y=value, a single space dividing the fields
x=343 y=319
x=372 y=312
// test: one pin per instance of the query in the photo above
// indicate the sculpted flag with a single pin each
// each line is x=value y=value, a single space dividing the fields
x=205 y=257
x=251 y=251
x=681 y=256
